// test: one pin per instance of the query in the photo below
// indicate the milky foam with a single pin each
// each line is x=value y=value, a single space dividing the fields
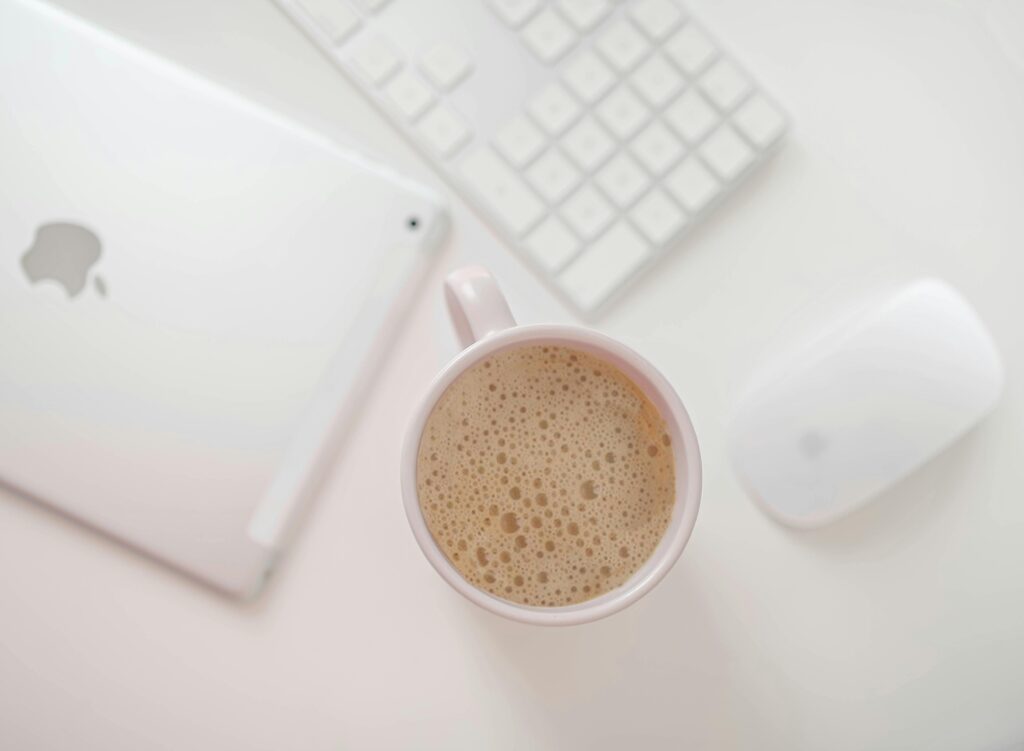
x=545 y=475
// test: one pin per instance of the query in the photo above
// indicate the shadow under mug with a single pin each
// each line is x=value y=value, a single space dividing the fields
x=484 y=325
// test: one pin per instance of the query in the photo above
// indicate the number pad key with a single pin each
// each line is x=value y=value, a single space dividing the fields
x=548 y=36
x=554 y=109
x=623 y=46
x=552 y=244
x=623 y=112
x=588 y=76
x=587 y=212
x=658 y=217
x=553 y=176
x=657 y=148
x=588 y=144
x=604 y=266
x=623 y=180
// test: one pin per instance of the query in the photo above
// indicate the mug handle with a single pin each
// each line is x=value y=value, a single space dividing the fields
x=475 y=304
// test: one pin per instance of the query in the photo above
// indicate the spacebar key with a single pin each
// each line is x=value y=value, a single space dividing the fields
x=502 y=191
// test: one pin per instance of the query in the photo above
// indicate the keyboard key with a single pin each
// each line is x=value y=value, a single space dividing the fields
x=725 y=84
x=444 y=130
x=623 y=180
x=335 y=18
x=501 y=190
x=691 y=116
x=727 y=153
x=409 y=94
x=514 y=12
x=691 y=49
x=604 y=266
x=623 y=46
x=657 y=17
x=446 y=65
x=759 y=121
x=623 y=112
x=548 y=36
x=376 y=60
x=520 y=141
x=552 y=244
x=587 y=212
x=657 y=81
x=692 y=184
x=553 y=176
x=658 y=217
x=588 y=77
x=584 y=14
x=657 y=148
x=554 y=109
x=588 y=144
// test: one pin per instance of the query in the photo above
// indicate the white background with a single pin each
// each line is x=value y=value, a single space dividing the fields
x=901 y=627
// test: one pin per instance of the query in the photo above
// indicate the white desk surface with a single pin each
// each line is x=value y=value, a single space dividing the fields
x=899 y=628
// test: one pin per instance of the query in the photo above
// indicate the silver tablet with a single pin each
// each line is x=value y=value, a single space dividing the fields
x=190 y=290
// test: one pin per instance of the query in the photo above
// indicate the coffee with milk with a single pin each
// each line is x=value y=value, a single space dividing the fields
x=545 y=475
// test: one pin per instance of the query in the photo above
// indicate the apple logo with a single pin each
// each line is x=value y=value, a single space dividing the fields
x=813 y=444
x=63 y=253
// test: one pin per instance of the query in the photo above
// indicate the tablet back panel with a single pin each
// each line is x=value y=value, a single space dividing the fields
x=190 y=288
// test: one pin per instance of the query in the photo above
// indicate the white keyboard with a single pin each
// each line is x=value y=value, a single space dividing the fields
x=591 y=133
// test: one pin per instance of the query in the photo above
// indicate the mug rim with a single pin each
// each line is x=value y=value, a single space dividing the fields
x=687 y=455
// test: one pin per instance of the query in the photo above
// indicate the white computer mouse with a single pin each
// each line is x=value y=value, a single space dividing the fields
x=868 y=404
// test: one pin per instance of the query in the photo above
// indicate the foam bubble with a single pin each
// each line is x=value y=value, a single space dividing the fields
x=531 y=461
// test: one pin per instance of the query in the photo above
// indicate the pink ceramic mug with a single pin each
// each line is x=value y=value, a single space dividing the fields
x=484 y=326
